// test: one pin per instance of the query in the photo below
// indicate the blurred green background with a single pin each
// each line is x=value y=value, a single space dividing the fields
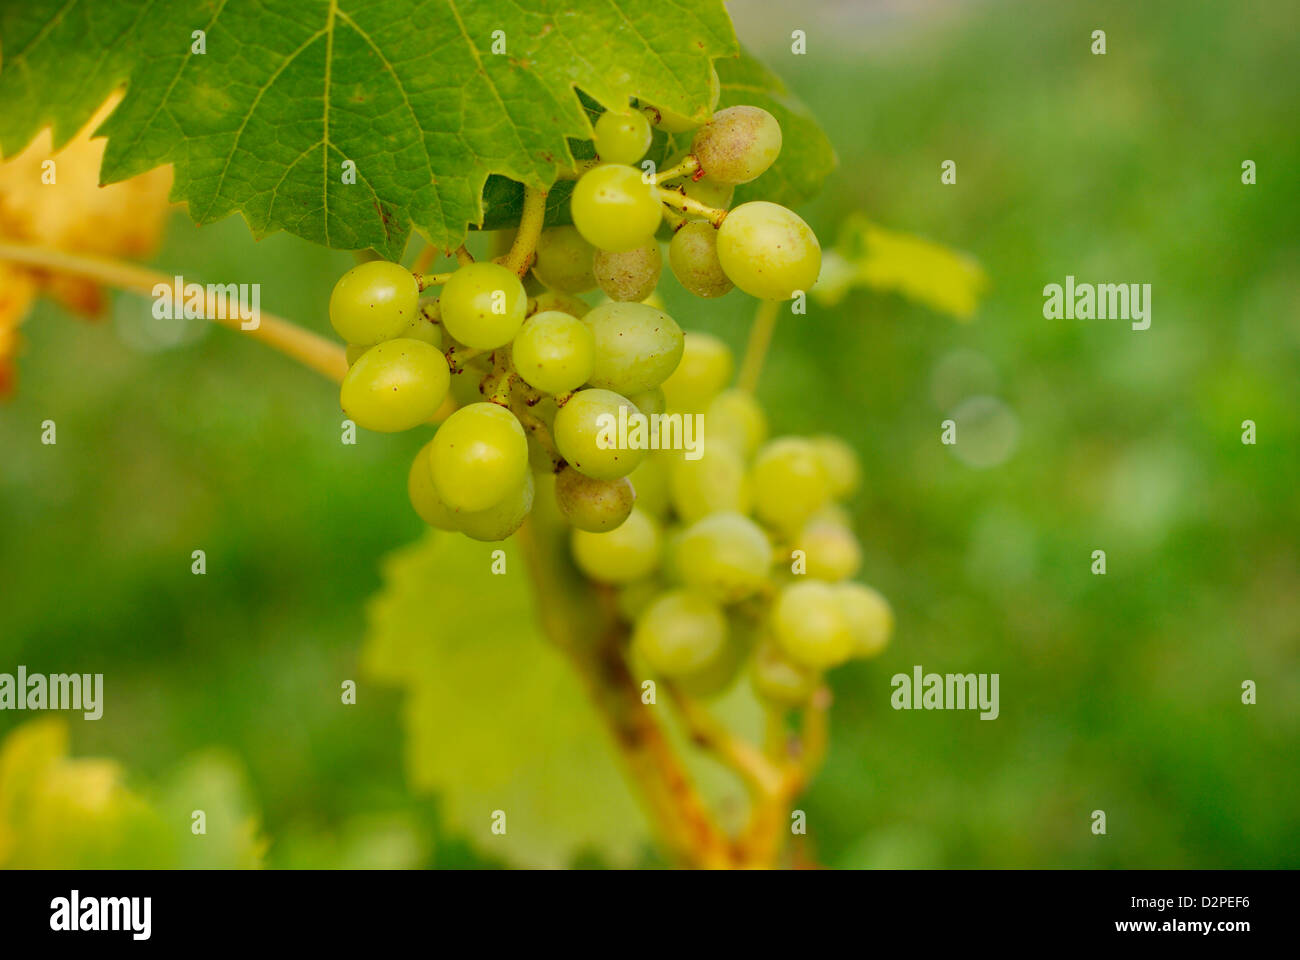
x=1118 y=692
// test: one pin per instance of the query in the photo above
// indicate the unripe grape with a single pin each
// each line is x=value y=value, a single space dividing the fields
x=374 y=302
x=424 y=495
x=778 y=679
x=768 y=251
x=501 y=519
x=735 y=417
x=479 y=457
x=614 y=209
x=680 y=633
x=633 y=598
x=563 y=302
x=630 y=275
x=705 y=368
x=628 y=552
x=637 y=346
x=354 y=351
x=870 y=617
x=422 y=328
x=650 y=481
x=395 y=385
x=716 y=481
x=554 y=352
x=586 y=433
x=831 y=551
x=693 y=255
x=483 y=305
x=789 y=482
x=622 y=136
x=725 y=556
x=465 y=384
x=650 y=401
x=841 y=462
x=564 y=260
x=737 y=144
x=810 y=626
x=720 y=673
x=593 y=505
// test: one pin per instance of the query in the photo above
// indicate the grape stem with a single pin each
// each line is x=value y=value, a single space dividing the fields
x=761 y=776
x=309 y=349
x=678 y=198
x=531 y=220
x=427 y=280
x=686 y=167
x=463 y=256
x=760 y=336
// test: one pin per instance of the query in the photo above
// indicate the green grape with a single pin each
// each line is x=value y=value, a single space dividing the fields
x=465 y=384
x=637 y=346
x=719 y=674
x=422 y=328
x=704 y=370
x=374 y=302
x=630 y=275
x=811 y=628
x=632 y=598
x=842 y=467
x=614 y=209
x=563 y=302
x=669 y=571
x=586 y=433
x=716 y=481
x=501 y=519
x=354 y=352
x=870 y=617
x=680 y=633
x=737 y=144
x=831 y=551
x=622 y=137
x=779 y=680
x=554 y=352
x=650 y=481
x=593 y=505
x=768 y=251
x=789 y=482
x=424 y=495
x=735 y=417
x=564 y=260
x=693 y=255
x=726 y=556
x=395 y=385
x=650 y=401
x=479 y=457
x=832 y=513
x=483 y=305
x=628 y=552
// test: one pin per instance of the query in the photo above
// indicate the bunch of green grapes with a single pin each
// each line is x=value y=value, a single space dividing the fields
x=733 y=553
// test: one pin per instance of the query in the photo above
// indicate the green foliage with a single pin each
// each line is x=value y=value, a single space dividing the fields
x=413 y=93
x=494 y=718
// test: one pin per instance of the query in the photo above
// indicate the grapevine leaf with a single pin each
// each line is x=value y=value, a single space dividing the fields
x=494 y=716
x=426 y=97
x=870 y=256
x=69 y=211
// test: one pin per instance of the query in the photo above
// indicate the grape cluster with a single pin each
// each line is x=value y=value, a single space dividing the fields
x=736 y=552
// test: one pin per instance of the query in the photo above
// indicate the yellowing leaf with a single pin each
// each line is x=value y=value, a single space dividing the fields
x=871 y=256
x=61 y=813
x=54 y=200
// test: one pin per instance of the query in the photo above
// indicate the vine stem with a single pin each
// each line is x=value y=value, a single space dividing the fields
x=687 y=167
x=309 y=349
x=760 y=336
x=681 y=201
x=531 y=220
